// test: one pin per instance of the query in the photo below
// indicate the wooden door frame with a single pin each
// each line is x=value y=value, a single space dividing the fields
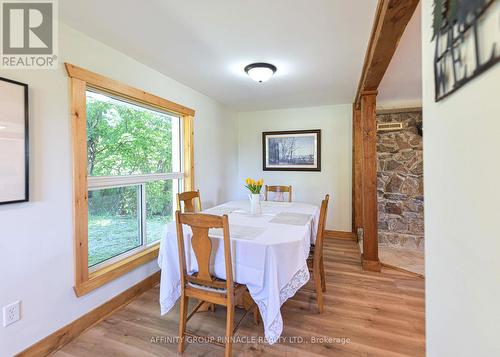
x=391 y=19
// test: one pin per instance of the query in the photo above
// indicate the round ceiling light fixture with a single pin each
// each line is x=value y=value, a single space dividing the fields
x=260 y=72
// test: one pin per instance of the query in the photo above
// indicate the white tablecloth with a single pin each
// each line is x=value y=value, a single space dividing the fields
x=269 y=253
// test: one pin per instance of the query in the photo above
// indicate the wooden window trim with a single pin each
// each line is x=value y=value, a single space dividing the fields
x=80 y=79
x=124 y=90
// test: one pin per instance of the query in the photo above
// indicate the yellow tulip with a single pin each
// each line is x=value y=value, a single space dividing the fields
x=247 y=181
x=261 y=181
x=253 y=182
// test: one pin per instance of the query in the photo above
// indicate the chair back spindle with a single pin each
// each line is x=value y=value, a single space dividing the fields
x=201 y=244
x=315 y=260
x=318 y=250
x=189 y=200
x=279 y=191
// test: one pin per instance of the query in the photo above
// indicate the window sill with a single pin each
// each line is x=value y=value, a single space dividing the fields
x=115 y=270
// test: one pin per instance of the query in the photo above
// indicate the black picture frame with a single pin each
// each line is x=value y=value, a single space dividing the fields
x=455 y=28
x=304 y=166
x=25 y=104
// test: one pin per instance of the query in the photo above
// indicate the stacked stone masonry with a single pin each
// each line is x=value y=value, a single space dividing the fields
x=400 y=182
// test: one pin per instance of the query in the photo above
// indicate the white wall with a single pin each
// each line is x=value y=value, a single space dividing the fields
x=335 y=177
x=36 y=242
x=462 y=212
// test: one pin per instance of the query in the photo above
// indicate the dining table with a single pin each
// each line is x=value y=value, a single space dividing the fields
x=269 y=252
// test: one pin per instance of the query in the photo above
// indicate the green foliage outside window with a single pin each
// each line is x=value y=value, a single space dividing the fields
x=124 y=139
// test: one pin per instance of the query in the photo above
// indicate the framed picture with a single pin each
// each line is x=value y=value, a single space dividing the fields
x=296 y=150
x=14 y=149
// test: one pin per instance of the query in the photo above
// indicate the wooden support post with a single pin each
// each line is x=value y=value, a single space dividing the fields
x=357 y=172
x=391 y=18
x=370 y=207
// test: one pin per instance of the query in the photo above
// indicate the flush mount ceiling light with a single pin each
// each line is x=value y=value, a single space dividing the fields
x=260 y=72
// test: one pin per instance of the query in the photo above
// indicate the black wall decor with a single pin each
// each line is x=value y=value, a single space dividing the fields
x=465 y=34
x=14 y=142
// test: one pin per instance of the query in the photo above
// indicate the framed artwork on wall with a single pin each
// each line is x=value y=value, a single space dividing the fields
x=14 y=144
x=466 y=37
x=296 y=150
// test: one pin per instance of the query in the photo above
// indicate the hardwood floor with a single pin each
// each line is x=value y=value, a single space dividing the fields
x=382 y=314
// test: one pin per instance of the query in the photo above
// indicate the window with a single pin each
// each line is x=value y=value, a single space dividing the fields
x=134 y=173
x=131 y=154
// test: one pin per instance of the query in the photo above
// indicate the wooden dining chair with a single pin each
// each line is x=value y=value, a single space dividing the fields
x=280 y=190
x=315 y=259
x=189 y=198
x=203 y=285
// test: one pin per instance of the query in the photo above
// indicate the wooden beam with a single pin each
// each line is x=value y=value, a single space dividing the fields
x=370 y=205
x=391 y=18
x=357 y=171
x=69 y=332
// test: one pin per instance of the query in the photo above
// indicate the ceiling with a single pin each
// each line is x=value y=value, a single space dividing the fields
x=317 y=45
x=402 y=82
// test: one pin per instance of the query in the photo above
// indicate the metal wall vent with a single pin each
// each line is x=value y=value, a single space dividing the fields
x=389 y=126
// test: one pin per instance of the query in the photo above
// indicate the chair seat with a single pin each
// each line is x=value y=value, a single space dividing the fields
x=212 y=288
x=207 y=288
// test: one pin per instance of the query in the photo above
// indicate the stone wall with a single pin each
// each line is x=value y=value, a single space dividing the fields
x=400 y=182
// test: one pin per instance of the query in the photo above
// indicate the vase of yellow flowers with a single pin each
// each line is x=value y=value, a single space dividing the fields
x=254 y=195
